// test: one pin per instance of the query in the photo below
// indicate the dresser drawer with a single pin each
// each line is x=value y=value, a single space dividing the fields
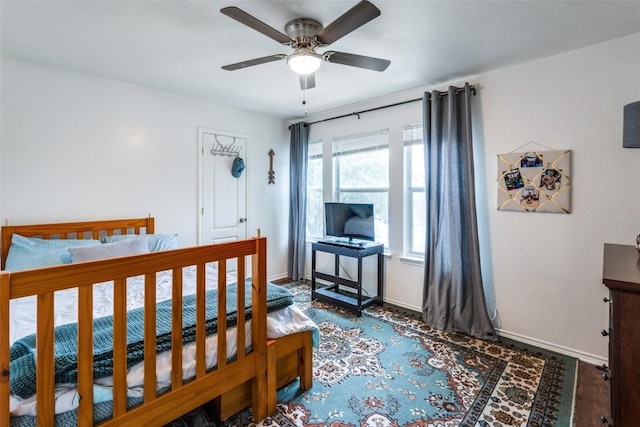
x=622 y=276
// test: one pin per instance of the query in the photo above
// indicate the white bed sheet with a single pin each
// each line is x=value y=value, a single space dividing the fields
x=279 y=323
x=23 y=310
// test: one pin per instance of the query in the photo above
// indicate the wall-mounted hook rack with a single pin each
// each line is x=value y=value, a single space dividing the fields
x=221 y=149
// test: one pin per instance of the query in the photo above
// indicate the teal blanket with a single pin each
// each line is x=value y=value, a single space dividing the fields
x=23 y=368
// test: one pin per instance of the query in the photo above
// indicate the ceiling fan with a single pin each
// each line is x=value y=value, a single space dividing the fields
x=305 y=35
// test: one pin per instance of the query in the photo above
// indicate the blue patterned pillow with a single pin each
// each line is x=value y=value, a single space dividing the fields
x=157 y=242
x=31 y=252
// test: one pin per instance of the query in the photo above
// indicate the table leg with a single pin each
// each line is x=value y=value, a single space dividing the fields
x=359 y=286
x=313 y=272
x=380 y=277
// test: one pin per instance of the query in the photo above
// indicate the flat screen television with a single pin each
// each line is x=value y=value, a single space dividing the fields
x=349 y=221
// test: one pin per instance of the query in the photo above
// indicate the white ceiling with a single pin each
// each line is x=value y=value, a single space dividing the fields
x=179 y=46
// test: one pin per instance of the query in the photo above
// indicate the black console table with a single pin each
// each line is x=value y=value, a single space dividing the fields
x=332 y=294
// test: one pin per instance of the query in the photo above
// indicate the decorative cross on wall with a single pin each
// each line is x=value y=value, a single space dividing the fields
x=272 y=174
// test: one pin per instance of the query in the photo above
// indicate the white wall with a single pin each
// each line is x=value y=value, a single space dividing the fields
x=75 y=147
x=571 y=101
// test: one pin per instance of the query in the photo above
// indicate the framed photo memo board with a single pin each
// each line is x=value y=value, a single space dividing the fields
x=535 y=181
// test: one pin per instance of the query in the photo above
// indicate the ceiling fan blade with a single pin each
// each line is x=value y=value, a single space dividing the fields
x=353 y=18
x=251 y=22
x=307 y=81
x=252 y=62
x=368 y=62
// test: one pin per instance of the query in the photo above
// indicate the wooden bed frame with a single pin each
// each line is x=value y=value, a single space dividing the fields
x=251 y=379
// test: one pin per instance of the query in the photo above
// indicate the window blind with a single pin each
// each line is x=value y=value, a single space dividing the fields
x=314 y=150
x=368 y=141
x=412 y=134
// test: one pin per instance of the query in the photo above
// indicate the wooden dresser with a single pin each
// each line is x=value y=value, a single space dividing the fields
x=621 y=274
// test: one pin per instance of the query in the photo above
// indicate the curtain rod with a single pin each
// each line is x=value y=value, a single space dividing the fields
x=357 y=113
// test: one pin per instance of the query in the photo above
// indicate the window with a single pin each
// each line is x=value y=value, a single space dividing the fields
x=361 y=165
x=315 y=219
x=415 y=179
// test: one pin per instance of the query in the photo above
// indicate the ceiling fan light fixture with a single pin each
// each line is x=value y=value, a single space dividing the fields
x=304 y=61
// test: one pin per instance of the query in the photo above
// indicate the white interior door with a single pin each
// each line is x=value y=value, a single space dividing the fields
x=223 y=204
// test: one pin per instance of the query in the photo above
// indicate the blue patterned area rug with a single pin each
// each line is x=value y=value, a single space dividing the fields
x=387 y=368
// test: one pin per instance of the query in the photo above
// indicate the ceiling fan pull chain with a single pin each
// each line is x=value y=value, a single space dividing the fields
x=304 y=98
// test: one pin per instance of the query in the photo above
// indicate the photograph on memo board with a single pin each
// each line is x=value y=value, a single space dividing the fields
x=535 y=181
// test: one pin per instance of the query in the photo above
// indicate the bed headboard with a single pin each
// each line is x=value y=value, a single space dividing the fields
x=76 y=230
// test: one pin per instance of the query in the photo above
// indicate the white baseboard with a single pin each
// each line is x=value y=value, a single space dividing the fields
x=391 y=301
x=585 y=357
x=277 y=277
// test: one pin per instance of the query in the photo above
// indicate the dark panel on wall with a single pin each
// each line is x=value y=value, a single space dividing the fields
x=631 y=128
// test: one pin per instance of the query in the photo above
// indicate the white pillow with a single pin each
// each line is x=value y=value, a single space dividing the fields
x=126 y=247
x=157 y=242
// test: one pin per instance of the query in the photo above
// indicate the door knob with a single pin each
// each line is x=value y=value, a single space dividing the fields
x=243 y=219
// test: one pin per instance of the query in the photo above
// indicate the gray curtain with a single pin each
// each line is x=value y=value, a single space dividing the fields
x=298 y=200
x=453 y=298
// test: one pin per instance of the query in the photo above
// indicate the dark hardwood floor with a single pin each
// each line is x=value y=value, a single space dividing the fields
x=592 y=397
